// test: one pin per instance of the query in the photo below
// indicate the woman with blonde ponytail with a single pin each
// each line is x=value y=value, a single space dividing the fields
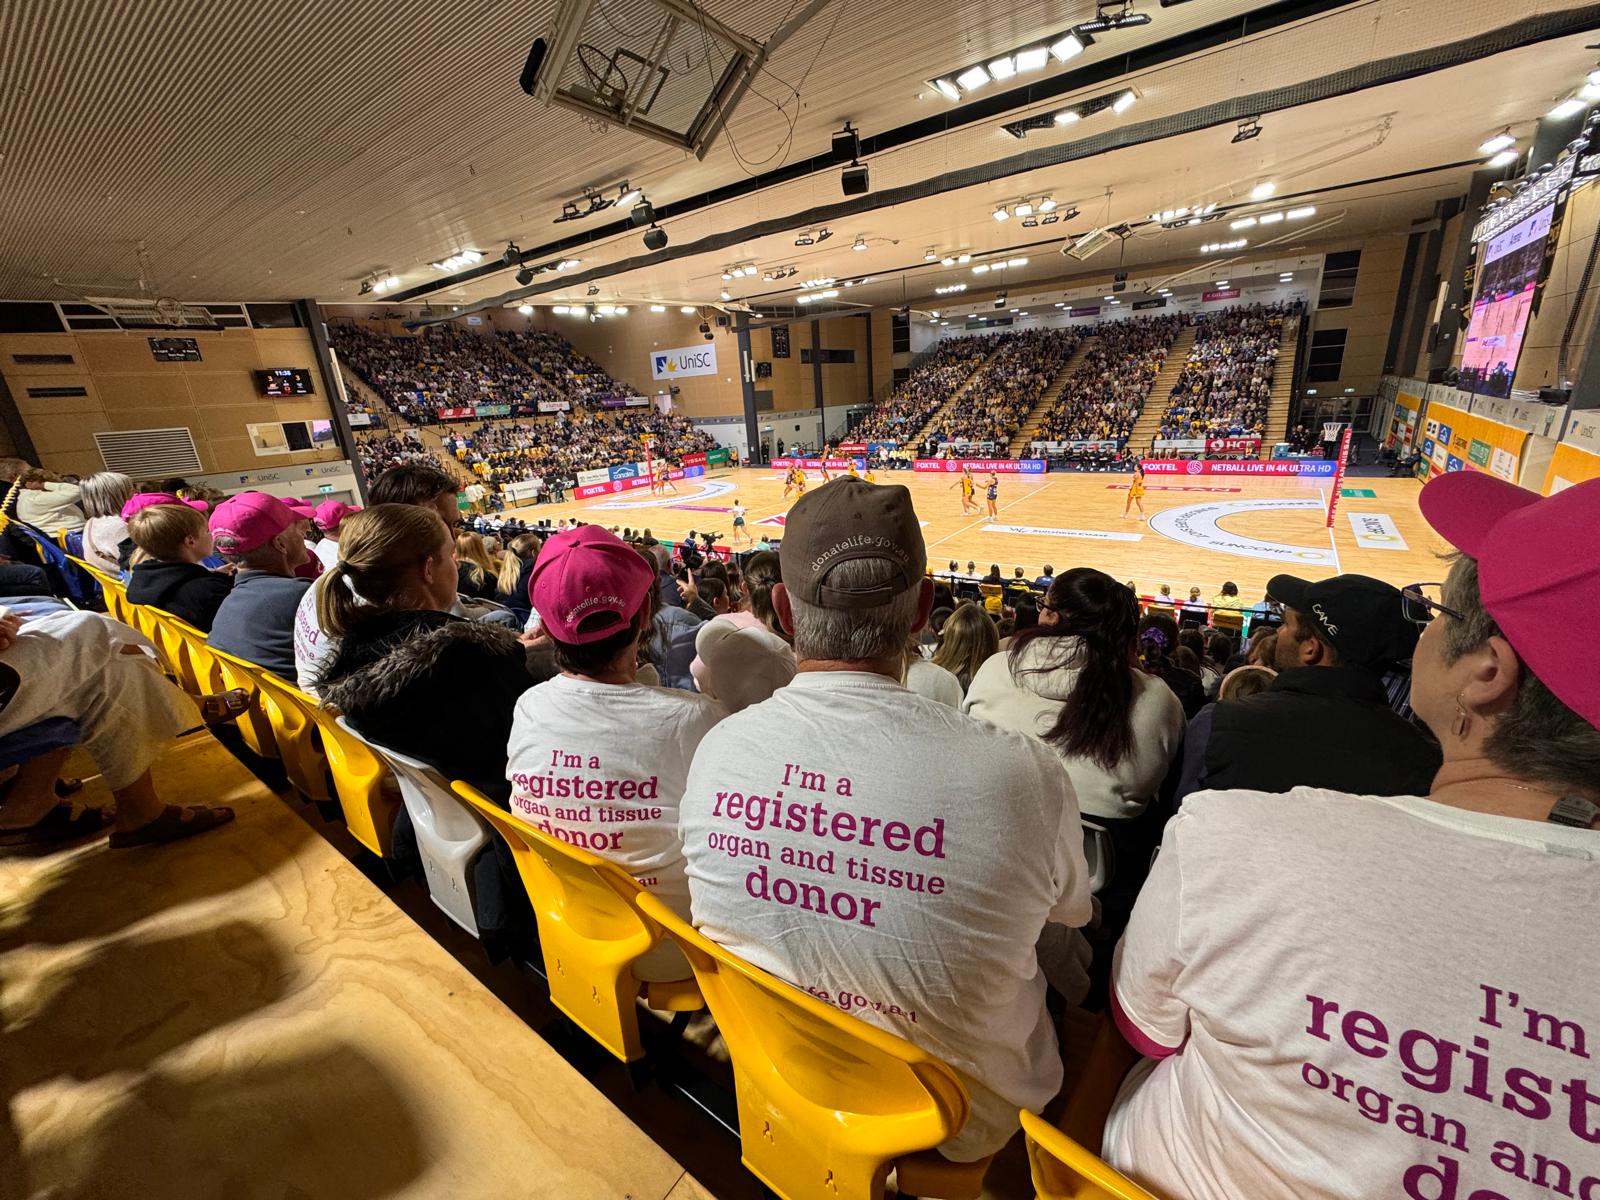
x=516 y=568
x=407 y=673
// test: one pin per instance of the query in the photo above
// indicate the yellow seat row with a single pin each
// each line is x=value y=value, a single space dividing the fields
x=828 y=1105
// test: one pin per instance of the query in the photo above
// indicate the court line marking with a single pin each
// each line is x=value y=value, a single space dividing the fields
x=987 y=517
x=1333 y=542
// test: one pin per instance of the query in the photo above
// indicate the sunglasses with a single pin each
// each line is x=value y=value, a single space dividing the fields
x=1421 y=602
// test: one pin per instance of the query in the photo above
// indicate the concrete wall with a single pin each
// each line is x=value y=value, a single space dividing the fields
x=126 y=388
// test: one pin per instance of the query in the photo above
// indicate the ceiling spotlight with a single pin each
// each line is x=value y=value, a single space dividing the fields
x=727 y=295
x=1271 y=218
x=1242 y=223
x=1301 y=213
x=1047 y=205
x=1067 y=116
x=859 y=244
x=930 y=255
x=1125 y=101
x=1002 y=213
x=1249 y=128
x=1504 y=159
x=561 y=310
x=1016 y=262
x=1003 y=68
x=1570 y=107
x=566 y=264
x=688 y=310
x=1033 y=58
x=655 y=238
x=569 y=212
x=947 y=89
x=525 y=309
x=1068 y=46
x=627 y=194
x=1221 y=283
x=1025 y=208
x=1500 y=141
x=1051 y=219
x=973 y=78
x=805 y=239
x=823 y=235
x=593 y=290
x=1030 y=222
x=1263 y=190
x=963 y=258
x=658 y=308
x=947 y=261
x=727 y=272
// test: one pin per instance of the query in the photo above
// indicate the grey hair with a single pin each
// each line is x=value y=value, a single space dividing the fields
x=1539 y=737
x=852 y=635
x=104 y=494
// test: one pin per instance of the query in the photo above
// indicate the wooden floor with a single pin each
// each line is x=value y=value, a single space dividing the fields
x=1198 y=533
x=244 y=1015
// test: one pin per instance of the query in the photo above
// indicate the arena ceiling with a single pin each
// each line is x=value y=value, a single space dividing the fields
x=224 y=151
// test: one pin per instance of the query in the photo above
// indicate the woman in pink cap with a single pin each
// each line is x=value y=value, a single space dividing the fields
x=1356 y=996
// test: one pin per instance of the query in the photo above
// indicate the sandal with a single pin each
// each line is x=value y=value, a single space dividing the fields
x=63 y=823
x=221 y=707
x=174 y=824
x=68 y=785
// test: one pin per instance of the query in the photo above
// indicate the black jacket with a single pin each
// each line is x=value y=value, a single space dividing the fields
x=1324 y=727
x=434 y=687
x=188 y=591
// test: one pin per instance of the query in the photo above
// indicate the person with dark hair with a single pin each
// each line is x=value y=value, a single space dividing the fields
x=1437 y=945
x=1326 y=720
x=1071 y=682
x=1044 y=581
x=595 y=731
x=419 y=484
x=1157 y=653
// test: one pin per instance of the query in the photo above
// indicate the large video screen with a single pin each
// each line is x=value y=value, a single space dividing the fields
x=1506 y=282
x=285 y=381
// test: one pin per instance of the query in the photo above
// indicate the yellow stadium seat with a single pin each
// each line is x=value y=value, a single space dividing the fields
x=358 y=777
x=828 y=1105
x=993 y=597
x=253 y=725
x=188 y=668
x=295 y=731
x=590 y=932
x=1062 y=1166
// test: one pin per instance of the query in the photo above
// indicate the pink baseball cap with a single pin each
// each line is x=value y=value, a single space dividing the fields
x=301 y=509
x=249 y=521
x=587 y=584
x=330 y=513
x=1538 y=572
x=151 y=499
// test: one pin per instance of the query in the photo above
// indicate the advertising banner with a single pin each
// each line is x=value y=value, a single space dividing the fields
x=684 y=362
x=1091 y=447
x=627 y=484
x=553 y=406
x=453 y=414
x=815 y=464
x=1304 y=467
x=1233 y=445
x=717 y=457
x=594 y=475
x=999 y=466
x=852 y=447
x=1376 y=531
x=362 y=420
x=1089 y=310
x=624 y=471
x=698 y=459
x=1221 y=294
x=492 y=410
x=1153 y=302
x=885 y=447
x=1182 y=445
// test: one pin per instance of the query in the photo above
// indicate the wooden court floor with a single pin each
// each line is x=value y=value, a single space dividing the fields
x=1196 y=532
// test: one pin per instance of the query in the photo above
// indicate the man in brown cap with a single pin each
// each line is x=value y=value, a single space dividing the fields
x=875 y=847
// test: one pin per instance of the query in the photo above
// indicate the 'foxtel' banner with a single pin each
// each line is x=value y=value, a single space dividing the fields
x=999 y=466
x=628 y=484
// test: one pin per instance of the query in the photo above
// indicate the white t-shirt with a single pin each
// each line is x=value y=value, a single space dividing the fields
x=933 y=681
x=898 y=859
x=327 y=552
x=1374 y=996
x=101 y=537
x=312 y=647
x=602 y=766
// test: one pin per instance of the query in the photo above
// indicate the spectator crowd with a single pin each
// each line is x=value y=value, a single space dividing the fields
x=1003 y=392
x=1226 y=383
x=1103 y=397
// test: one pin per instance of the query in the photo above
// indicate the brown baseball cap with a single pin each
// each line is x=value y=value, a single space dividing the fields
x=845 y=520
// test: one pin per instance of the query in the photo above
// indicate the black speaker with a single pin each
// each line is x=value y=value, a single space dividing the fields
x=655 y=238
x=846 y=145
x=1119 y=281
x=643 y=214
x=854 y=180
x=722 y=322
x=530 y=69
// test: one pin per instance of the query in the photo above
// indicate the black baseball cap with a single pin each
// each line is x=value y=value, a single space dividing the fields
x=1360 y=617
